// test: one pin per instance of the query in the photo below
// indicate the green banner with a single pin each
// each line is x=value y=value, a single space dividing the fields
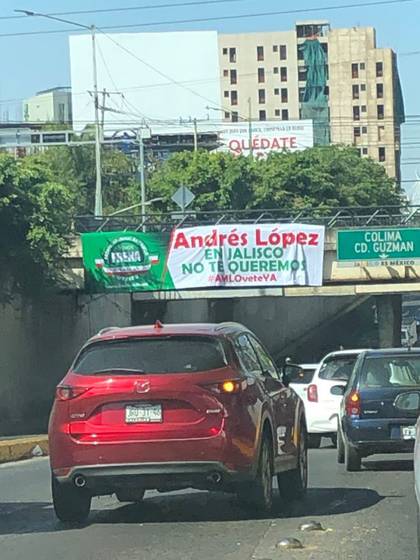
x=126 y=262
x=388 y=244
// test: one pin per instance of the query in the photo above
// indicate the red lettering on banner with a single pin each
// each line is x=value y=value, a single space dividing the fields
x=313 y=239
x=181 y=241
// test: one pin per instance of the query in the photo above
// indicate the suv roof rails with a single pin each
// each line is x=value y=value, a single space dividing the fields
x=107 y=329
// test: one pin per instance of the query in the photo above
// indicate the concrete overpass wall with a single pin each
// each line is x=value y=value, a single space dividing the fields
x=38 y=340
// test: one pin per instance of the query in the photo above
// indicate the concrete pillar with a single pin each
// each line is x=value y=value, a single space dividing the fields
x=389 y=320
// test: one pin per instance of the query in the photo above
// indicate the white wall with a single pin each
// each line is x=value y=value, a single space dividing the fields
x=144 y=70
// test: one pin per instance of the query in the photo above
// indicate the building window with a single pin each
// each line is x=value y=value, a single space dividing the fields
x=232 y=55
x=226 y=94
x=356 y=113
x=355 y=88
x=275 y=48
x=261 y=96
x=263 y=116
x=284 y=115
x=276 y=70
x=261 y=75
x=379 y=91
x=233 y=77
x=276 y=91
x=381 y=133
x=225 y=51
x=362 y=87
x=227 y=115
x=381 y=112
x=327 y=90
x=363 y=108
x=277 y=112
x=283 y=52
x=233 y=97
x=283 y=74
x=300 y=55
x=354 y=70
x=235 y=116
x=362 y=66
x=364 y=129
x=260 y=53
x=284 y=95
x=302 y=70
x=302 y=94
x=365 y=151
x=225 y=73
x=356 y=132
x=381 y=154
x=379 y=69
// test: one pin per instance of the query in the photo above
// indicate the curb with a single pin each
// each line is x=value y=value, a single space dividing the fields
x=23 y=448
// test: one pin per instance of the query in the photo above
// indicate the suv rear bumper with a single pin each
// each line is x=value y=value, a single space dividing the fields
x=107 y=479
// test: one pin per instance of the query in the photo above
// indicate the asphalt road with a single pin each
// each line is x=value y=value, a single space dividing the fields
x=367 y=515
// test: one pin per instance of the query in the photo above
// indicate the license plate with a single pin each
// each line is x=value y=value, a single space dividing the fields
x=408 y=432
x=146 y=413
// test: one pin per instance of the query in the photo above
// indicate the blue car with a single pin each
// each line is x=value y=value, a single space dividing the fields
x=378 y=412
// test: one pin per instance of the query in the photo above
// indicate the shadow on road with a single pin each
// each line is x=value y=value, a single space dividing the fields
x=405 y=465
x=198 y=507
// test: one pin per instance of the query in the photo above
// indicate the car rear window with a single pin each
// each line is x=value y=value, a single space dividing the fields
x=304 y=376
x=390 y=372
x=338 y=368
x=175 y=354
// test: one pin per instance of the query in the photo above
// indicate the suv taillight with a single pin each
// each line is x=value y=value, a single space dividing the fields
x=227 y=387
x=353 y=404
x=68 y=392
x=312 y=393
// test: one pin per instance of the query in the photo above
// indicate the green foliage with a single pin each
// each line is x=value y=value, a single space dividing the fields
x=75 y=168
x=35 y=222
x=320 y=178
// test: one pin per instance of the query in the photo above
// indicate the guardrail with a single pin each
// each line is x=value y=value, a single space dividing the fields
x=341 y=217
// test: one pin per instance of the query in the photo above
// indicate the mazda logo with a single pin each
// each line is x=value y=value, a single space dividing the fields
x=142 y=386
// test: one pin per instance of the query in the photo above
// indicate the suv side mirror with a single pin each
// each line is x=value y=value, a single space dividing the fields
x=338 y=390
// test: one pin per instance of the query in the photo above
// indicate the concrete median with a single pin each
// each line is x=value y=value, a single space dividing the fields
x=24 y=447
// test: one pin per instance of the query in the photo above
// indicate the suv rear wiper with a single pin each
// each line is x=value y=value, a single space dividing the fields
x=128 y=371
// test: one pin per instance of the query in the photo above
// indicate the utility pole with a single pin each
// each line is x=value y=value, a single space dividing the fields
x=195 y=135
x=98 y=188
x=105 y=94
x=92 y=30
x=250 y=126
x=141 y=173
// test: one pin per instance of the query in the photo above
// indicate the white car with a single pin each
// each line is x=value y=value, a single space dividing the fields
x=301 y=378
x=321 y=406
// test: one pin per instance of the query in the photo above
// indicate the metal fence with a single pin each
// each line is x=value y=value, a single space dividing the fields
x=344 y=217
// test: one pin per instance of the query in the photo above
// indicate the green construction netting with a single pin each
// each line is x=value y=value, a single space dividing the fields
x=315 y=102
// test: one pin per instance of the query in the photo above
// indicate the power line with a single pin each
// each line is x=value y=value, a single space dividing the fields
x=132 y=8
x=221 y=17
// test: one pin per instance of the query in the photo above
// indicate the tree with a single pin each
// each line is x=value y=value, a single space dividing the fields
x=75 y=167
x=319 y=178
x=35 y=225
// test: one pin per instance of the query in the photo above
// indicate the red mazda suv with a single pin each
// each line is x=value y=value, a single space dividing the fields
x=169 y=407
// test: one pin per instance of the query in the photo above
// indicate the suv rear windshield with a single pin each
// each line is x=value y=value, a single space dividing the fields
x=390 y=372
x=174 y=354
x=338 y=368
x=303 y=376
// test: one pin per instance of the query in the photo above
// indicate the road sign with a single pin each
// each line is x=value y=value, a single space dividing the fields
x=183 y=197
x=380 y=245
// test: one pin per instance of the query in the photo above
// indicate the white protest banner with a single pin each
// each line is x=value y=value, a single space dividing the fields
x=246 y=256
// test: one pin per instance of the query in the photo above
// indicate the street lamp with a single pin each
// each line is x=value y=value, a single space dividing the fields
x=92 y=29
x=146 y=203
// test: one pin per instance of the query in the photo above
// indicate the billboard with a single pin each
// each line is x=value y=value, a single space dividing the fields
x=163 y=76
x=233 y=256
x=266 y=136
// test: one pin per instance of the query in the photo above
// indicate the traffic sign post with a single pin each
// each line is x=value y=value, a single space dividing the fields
x=183 y=197
x=379 y=246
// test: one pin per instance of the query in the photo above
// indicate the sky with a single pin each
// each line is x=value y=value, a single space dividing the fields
x=32 y=63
